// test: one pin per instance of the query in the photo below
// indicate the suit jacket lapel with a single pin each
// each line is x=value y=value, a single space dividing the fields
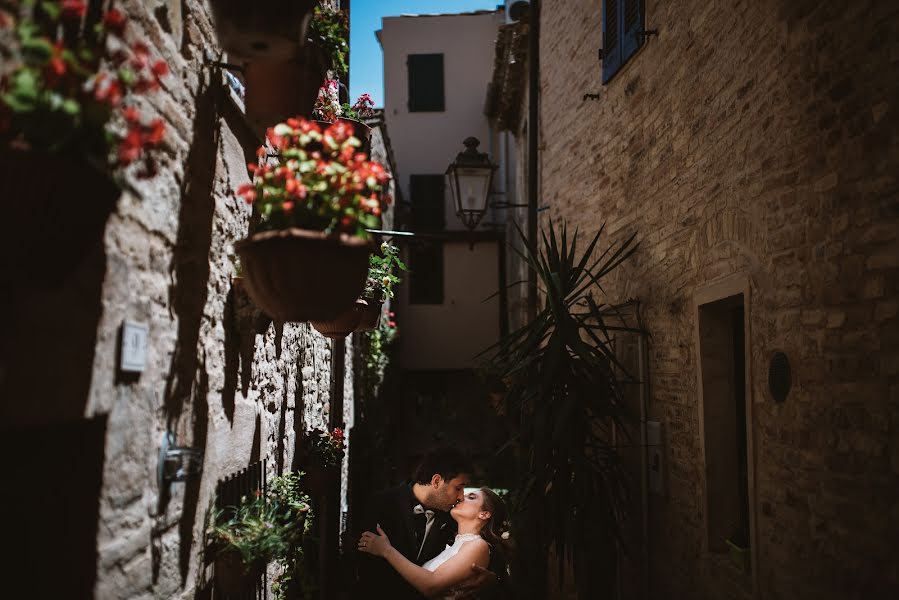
x=408 y=518
x=439 y=538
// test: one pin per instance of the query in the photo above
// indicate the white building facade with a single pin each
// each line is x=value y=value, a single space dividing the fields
x=436 y=72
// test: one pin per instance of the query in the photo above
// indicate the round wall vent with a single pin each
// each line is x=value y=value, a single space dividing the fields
x=780 y=377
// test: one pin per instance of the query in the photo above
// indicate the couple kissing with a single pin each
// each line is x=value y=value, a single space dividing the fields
x=428 y=538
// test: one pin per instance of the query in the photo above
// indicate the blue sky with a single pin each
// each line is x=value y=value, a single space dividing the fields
x=366 y=62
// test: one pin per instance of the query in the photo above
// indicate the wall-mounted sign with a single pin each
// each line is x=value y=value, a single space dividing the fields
x=134 y=347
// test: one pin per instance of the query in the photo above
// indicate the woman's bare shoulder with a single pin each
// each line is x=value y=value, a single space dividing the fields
x=476 y=547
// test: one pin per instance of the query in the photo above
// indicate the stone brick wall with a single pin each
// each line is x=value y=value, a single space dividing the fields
x=754 y=137
x=222 y=380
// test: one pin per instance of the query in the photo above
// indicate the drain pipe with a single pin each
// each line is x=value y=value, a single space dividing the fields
x=533 y=130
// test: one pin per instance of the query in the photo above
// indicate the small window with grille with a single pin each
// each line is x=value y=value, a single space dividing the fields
x=622 y=22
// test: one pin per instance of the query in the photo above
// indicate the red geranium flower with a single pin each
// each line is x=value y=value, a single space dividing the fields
x=160 y=68
x=115 y=21
x=131 y=114
x=248 y=192
x=156 y=133
x=73 y=9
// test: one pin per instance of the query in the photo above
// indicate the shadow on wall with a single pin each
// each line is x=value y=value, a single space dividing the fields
x=51 y=503
x=187 y=379
x=48 y=342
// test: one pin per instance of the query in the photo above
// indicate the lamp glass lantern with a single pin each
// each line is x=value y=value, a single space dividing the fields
x=470 y=178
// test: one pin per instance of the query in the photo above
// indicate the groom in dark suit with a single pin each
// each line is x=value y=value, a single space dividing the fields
x=415 y=515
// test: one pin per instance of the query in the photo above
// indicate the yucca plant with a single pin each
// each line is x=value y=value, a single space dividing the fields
x=563 y=388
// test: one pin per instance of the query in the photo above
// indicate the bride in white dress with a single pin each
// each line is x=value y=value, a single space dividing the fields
x=480 y=516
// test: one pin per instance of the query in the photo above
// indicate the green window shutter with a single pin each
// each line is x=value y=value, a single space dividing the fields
x=425 y=74
x=427 y=193
x=426 y=273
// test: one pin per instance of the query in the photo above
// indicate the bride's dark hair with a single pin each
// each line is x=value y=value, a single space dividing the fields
x=493 y=530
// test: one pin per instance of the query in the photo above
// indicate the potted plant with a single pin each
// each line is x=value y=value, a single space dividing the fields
x=289 y=47
x=328 y=109
x=330 y=31
x=366 y=312
x=67 y=129
x=265 y=527
x=379 y=284
x=278 y=89
x=564 y=394
x=272 y=30
x=322 y=454
x=309 y=258
x=345 y=323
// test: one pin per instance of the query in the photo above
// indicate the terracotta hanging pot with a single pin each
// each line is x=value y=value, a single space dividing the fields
x=361 y=131
x=344 y=323
x=300 y=275
x=270 y=30
x=280 y=89
x=54 y=211
x=371 y=316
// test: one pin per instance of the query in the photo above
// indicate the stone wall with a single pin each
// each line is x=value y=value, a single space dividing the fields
x=218 y=376
x=755 y=138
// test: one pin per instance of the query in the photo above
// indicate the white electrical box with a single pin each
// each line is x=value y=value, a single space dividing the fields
x=134 y=347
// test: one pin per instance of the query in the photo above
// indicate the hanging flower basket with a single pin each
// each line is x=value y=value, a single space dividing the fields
x=344 y=323
x=361 y=132
x=371 y=316
x=279 y=89
x=233 y=576
x=300 y=275
x=270 y=30
x=56 y=211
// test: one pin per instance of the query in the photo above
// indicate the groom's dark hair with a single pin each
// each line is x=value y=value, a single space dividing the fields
x=447 y=462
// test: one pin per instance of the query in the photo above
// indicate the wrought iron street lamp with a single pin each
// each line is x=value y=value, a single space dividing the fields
x=470 y=177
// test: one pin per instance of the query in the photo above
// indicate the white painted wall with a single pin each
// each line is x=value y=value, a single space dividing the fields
x=425 y=143
x=449 y=335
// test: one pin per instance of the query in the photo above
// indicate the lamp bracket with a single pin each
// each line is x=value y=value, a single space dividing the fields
x=177 y=463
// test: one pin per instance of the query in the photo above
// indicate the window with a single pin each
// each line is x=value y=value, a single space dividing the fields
x=426 y=273
x=427 y=193
x=622 y=20
x=425 y=82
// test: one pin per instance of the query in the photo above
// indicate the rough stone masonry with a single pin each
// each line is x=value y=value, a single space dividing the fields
x=221 y=380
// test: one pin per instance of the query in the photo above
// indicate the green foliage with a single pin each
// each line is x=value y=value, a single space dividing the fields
x=324 y=447
x=347 y=112
x=381 y=278
x=267 y=527
x=66 y=80
x=375 y=350
x=563 y=386
x=330 y=30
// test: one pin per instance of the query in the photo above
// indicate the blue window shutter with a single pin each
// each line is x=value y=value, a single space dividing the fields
x=632 y=22
x=611 y=38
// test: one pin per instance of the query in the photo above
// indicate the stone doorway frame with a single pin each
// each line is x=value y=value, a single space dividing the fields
x=731 y=285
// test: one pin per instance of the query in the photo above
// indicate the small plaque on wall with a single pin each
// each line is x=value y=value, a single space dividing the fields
x=133 y=353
